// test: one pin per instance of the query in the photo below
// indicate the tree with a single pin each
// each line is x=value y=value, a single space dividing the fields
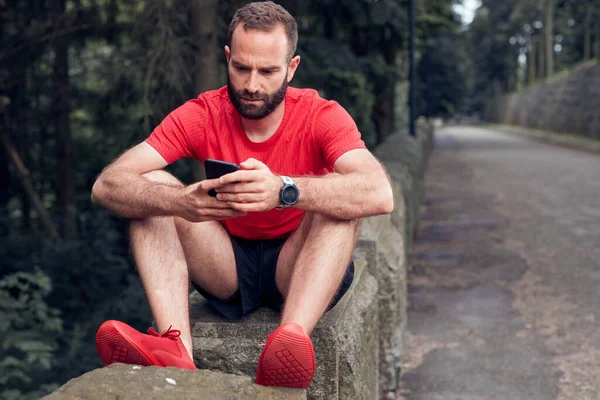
x=62 y=109
x=206 y=68
x=548 y=12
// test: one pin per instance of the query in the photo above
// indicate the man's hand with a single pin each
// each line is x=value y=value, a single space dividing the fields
x=253 y=188
x=198 y=206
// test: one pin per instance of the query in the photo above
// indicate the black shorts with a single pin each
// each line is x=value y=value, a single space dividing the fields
x=256 y=261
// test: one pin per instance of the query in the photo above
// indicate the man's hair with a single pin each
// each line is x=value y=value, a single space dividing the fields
x=265 y=16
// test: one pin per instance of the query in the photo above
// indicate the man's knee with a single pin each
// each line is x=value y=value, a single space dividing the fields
x=162 y=176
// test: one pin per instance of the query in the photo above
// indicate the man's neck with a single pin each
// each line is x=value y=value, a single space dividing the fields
x=260 y=130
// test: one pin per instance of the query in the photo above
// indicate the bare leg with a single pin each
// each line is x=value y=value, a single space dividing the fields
x=164 y=247
x=312 y=265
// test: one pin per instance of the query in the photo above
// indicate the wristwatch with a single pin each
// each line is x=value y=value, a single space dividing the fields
x=289 y=193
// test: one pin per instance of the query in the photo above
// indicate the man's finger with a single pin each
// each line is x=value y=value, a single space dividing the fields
x=238 y=176
x=213 y=202
x=224 y=212
x=208 y=184
x=246 y=207
x=252 y=163
x=239 y=197
x=240 y=188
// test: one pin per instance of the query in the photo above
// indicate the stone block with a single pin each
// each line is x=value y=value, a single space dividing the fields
x=345 y=341
x=129 y=382
x=391 y=277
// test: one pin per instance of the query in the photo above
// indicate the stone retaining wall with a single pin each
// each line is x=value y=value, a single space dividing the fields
x=358 y=344
x=567 y=104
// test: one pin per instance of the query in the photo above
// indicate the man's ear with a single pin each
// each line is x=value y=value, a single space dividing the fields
x=292 y=66
x=227 y=53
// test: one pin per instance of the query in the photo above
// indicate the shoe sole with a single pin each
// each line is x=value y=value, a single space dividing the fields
x=115 y=346
x=287 y=360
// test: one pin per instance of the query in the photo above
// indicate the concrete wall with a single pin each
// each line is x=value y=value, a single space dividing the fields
x=358 y=344
x=569 y=103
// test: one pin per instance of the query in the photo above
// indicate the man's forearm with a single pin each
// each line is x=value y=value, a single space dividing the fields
x=347 y=196
x=130 y=195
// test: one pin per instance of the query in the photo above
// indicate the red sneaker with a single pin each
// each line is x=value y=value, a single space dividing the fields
x=118 y=342
x=288 y=358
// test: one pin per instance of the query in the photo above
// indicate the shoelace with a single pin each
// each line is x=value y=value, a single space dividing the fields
x=263 y=344
x=172 y=334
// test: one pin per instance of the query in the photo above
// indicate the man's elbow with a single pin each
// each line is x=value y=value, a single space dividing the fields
x=387 y=204
x=386 y=199
x=96 y=195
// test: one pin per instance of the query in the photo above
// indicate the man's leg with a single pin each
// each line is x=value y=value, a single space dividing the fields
x=165 y=248
x=311 y=267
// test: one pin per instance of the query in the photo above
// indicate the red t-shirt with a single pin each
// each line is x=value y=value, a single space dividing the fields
x=313 y=133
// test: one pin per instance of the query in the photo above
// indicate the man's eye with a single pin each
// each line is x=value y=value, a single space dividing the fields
x=242 y=68
x=267 y=71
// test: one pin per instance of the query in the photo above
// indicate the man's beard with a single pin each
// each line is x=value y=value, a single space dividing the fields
x=253 y=111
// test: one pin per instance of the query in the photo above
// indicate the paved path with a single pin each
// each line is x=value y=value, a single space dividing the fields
x=504 y=292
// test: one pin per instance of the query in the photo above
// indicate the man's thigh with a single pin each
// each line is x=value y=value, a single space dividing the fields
x=209 y=256
x=290 y=251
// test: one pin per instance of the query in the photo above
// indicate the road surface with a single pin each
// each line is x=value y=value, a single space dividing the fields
x=504 y=291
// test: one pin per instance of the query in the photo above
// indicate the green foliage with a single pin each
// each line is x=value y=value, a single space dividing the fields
x=505 y=31
x=442 y=73
x=93 y=280
x=442 y=79
x=29 y=329
x=340 y=78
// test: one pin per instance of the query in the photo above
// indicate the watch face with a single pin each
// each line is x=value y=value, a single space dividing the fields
x=289 y=195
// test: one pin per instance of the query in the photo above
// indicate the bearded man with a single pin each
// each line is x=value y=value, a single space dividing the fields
x=280 y=231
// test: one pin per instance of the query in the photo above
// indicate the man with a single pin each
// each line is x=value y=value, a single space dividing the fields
x=283 y=227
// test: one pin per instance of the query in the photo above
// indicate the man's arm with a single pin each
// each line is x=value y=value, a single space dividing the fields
x=359 y=188
x=123 y=190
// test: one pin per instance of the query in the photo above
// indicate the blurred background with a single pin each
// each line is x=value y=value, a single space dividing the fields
x=83 y=80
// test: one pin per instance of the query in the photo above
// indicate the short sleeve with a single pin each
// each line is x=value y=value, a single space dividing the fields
x=177 y=136
x=335 y=132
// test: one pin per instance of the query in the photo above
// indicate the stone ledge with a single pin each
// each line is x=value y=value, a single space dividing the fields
x=129 y=382
x=345 y=341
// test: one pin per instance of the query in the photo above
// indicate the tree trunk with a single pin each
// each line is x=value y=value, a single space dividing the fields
x=206 y=76
x=597 y=40
x=384 y=113
x=587 y=32
x=386 y=98
x=64 y=147
x=5 y=183
x=328 y=23
x=549 y=6
x=531 y=63
x=18 y=127
x=541 y=70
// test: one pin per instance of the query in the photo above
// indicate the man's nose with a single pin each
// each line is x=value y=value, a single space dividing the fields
x=252 y=84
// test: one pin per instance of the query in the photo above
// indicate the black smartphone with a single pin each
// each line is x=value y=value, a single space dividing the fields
x=216 y=168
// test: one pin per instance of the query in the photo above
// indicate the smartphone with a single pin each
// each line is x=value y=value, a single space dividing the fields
x=216 y=168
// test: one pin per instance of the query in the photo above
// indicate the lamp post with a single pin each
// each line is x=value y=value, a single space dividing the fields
x=411 y=66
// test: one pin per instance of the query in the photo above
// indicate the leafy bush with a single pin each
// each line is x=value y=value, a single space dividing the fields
x=93 y=279
x=28 y=332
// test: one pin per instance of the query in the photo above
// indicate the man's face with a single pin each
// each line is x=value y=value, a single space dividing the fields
x=257 y=70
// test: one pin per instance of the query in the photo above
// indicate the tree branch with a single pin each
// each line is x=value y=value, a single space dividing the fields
x=29 y=190
x=38 y=39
